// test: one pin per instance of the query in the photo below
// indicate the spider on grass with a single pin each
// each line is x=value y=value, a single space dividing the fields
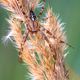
x=32 y=24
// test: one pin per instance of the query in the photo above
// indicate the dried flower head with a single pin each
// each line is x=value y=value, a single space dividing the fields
x=42 y=44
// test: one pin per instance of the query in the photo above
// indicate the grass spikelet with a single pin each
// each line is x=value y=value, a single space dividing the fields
x=43 y=49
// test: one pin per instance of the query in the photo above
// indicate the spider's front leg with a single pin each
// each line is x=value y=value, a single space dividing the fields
x=42 y=8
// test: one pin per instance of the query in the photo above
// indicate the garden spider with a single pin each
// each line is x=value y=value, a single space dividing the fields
x=32 y=23
x=33 y=26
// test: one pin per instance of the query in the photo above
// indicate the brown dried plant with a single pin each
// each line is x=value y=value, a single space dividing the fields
x=43 y=50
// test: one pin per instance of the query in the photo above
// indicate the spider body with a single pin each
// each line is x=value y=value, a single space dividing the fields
x=32 y=15
x=32 y=25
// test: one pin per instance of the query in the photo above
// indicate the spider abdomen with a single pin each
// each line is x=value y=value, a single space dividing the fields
x=32 y=15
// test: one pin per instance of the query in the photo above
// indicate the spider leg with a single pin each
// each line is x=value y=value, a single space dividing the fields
x=42 y=9
x=46 y=18
x=67 y=44
x=52 y=48
x=61 y=41
x=48 y=32
x=20 y=52
x=21 y=48
x=25 y=36
x=45 y=37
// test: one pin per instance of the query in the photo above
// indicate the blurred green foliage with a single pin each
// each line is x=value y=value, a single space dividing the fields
x=69 y=10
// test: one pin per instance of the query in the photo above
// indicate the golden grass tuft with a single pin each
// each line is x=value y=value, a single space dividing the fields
x=43 y=52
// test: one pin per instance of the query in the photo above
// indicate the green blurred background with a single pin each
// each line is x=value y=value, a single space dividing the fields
x=69 y=10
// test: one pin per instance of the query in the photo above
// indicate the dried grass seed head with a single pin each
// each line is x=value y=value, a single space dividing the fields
x=54 y=25
x=20 y=8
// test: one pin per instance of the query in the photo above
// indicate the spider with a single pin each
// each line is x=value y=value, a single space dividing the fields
x=32 y=24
